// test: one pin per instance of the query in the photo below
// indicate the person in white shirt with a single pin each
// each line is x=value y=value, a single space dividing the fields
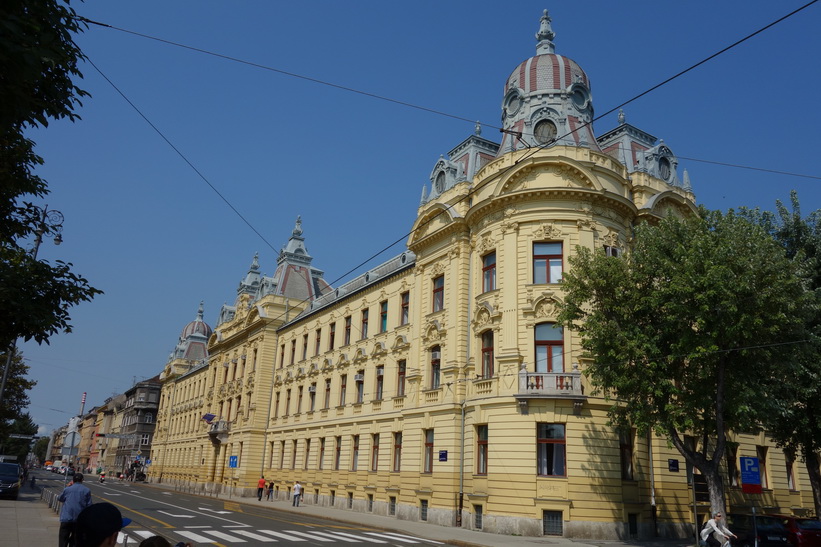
x=715 y=533
x=297 y=493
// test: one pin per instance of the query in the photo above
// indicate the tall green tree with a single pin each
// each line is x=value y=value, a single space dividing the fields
x=40 y=449
x=15 y=396
x=21 y=425
x=686 y=330
x=38 y=64
x=796 y=422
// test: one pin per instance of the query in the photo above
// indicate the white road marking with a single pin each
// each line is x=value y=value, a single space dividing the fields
x=222 y=535
x=394 y=534
x=246 y=533
x=177 y=516
x=281 y=535
x=309 y=536
x=196 y=537
x=331 y=534
x=392 y=537
x=360 y=538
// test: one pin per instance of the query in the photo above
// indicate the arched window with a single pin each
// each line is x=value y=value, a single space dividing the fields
x=435 y=366
x=487 y=354
x=549 y=339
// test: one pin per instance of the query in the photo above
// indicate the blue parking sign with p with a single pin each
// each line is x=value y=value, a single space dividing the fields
x=750 y=475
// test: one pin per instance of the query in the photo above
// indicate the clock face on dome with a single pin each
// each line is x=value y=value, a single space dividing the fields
x=513 y=103
x=440 y=181
x=545 y=131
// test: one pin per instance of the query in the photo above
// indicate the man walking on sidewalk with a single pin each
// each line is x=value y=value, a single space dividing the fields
x=297 y=493
x=75 y=498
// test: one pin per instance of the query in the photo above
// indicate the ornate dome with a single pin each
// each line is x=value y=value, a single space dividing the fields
x=197 y=326
x=547 y=100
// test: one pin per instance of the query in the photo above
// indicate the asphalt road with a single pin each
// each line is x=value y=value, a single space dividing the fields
x=212 y=521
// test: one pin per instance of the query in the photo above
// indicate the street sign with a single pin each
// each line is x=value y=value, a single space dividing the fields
x=672 y=465
x=443 y=455
x=232 y=461
x=16 y=436
x=750 y=476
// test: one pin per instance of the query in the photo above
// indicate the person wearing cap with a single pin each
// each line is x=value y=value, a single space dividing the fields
x=98 y=525
x=75 y=498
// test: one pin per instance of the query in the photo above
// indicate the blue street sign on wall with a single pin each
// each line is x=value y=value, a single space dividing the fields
x=232 y=461
x=443 y=455
x=750 y=476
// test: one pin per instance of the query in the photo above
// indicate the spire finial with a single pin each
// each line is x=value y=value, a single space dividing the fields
x=255 y=262
x=200 y=311
x=622 y=117
x=545 y=35
x=298 y=227
x=477 y=129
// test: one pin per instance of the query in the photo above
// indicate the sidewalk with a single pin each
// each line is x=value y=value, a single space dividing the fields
x=29 y=521
x=445 y=534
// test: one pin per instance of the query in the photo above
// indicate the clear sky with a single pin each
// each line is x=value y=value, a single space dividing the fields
x=143 y=226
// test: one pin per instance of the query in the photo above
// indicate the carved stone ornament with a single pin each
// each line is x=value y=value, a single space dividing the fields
x=437 y=269
x=484 y=244
x=548 y=230
x=612 y=239
x=400 y=344
x=432 y=332
x=572 y=176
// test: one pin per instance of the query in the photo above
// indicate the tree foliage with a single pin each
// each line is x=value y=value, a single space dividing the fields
x=15 y=396
x=796 y=422
x=682 y=332
x=38 y=63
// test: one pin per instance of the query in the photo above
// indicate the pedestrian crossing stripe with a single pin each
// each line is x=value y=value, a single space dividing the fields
x=210 y=535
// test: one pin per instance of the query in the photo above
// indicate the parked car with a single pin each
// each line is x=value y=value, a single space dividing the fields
x=801 y=532
x=771 y=533
x=11 y=476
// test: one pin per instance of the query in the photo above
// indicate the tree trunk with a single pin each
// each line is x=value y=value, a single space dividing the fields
x=812 y=461
x=715 y=485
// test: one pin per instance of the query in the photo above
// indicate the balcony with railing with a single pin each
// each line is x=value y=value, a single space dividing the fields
x=219 y=431
x=556 y=385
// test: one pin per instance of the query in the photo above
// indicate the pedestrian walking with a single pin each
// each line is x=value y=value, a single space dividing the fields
x=270 y=490
x=260 y=487
x=75 y=498
x=297 y=493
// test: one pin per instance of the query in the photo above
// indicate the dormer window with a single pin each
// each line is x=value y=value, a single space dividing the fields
x=440 y=182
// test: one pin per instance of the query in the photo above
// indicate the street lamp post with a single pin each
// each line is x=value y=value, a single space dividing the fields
x=48 y=221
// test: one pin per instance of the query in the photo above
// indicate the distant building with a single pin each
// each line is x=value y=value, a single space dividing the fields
x=139 y=418
x=437 y=386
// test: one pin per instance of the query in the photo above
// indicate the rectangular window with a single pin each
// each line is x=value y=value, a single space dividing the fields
x=337 y=453
x=552 y=523
x=287 y=402
x=380 y=383
x=347 y=335
x=370 y=503
x=789 y=459
x=439 y=293
x=489 y=272
x=327 y=393
x=282 y=454
x=383 y=316
x=423 y=510
x=343 y=387
x=293 y=454
x=360 y=386
x=354 y=452
x=317 y=341
x=397 y=451
x=549 y=340
x=392 y=505
x=435 y=367
x=487 y=354
x=626 y=453
x=304 y=346
x=732 y=463
x=299 y=400
x=281 y=357
x=481 y=449
x=145 y=439
x=547 y=262
x=375 y=452
x=276 y=404
x=364 y=323
x=611 y=251
x=293 y=351
x=331 y=336
x=428 y=451
x=761 y=452
x=312 y=397
x=550 y=450
x=307 y=453
x=404 y=310
x=477 y=512
x=401 y=373
x=320 y=464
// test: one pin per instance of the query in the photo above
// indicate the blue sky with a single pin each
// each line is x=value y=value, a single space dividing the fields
x=144 y=227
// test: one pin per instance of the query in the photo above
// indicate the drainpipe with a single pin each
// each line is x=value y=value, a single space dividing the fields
x=652 y=484
x=464 y=400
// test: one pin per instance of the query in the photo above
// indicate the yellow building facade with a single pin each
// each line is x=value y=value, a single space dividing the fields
x=437 y=386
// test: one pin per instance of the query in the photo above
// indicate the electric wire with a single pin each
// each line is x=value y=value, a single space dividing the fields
x=448 y=207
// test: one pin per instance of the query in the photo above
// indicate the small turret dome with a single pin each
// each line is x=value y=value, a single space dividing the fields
x=197 y=326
